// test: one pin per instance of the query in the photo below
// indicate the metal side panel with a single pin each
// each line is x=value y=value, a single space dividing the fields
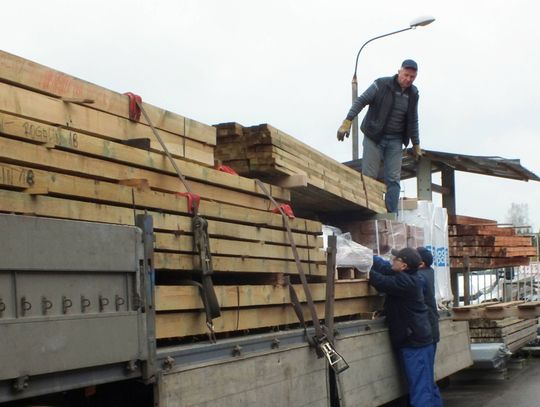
x=285 y=377
x=70 y=301
x=374 y=377
x=34 y=347
x=33 y=243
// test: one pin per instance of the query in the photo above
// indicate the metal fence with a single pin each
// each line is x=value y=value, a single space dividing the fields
x=507 y=284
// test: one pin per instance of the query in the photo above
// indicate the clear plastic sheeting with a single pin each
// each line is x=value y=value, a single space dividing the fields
x=352 y=254
x=489 y=355
x=434 y=220
x=349 y=253
x=380 y=235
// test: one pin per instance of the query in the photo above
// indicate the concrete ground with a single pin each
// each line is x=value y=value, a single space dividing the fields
x=520 y=387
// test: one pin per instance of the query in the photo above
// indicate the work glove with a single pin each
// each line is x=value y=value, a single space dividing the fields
x=344 y=130
x=417 y=151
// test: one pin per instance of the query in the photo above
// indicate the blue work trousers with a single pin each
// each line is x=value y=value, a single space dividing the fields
x=419 y=372
x=389 y=151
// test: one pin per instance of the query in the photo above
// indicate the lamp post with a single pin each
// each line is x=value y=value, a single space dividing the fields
x=417 y=22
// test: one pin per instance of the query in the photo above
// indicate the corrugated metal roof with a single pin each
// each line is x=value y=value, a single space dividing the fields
x=494 y=166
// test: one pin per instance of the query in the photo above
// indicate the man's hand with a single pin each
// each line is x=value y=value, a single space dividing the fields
x=417 y=151
x=344 y=130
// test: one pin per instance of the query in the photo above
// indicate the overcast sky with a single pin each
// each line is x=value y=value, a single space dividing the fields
x=290 y=63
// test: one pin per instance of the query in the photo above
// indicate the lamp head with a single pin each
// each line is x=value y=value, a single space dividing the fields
x=421 y=21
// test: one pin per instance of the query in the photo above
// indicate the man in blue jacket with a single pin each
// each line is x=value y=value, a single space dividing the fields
x=408 y=321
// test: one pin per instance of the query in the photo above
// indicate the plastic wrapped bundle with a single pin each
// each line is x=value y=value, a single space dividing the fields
x=352 y=254
x=381 y=235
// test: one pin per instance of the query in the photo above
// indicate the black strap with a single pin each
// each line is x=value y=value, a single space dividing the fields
x=311 y=306
x=201 y=241
x=202 y=246
x=323 y=346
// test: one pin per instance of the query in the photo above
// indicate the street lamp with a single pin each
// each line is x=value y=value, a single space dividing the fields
x=417 y=22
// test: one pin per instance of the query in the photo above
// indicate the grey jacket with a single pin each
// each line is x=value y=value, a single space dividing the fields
x=380 y=98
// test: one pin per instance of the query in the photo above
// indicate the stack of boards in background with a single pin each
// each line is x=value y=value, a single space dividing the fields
x=317 y=182
x=483 y=244
x=513 y=332
x=68 y=150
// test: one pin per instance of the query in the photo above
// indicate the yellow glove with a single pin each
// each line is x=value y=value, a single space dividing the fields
x=344 y=130
x=417 y=151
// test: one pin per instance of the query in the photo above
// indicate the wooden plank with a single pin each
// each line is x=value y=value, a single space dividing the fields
x=489 y=230
x=31 y=75
x=183 y=243
x=482 y=251
x=480 y=263
x=170 y=298
x=172 y=325
x=57 y=137
x=488 y=323
x=498 y=311
x=486 y=332
x=187 y=262
x=63 y=185
x=469 y=220
x=81 y=118
x=178 y=224
x=62 y=161
x=507 y=339
x=493 y=241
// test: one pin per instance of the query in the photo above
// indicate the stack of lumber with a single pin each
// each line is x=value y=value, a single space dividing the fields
x=495 y=310
x=483 y=244
x=513 y=332
x=316 y=180
x=63 y=157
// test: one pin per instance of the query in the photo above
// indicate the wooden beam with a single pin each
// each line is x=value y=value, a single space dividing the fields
x=18 y=202
x=188 y=262
x=31 y=75
x=81 y=143
x=81 y=118
x=72 y=187
x=518 y=309
x=62 y=161
x=171 y=325
x=448 y=181
x=171 y=242
x=291 y=181
x=423 y=180
x=170 y=298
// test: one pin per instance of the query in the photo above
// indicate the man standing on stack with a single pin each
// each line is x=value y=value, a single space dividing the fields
x=391 y=120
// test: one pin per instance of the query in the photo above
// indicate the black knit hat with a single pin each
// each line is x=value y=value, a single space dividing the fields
x=426 y=256
x=409 y=256
x=409 y=63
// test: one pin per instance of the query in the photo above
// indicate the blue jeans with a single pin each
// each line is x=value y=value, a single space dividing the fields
x=418 y=366
x=436 y=392
x=389 y=151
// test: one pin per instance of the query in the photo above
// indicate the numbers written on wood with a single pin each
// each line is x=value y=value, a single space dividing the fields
x=48 y=134
x=17 y=177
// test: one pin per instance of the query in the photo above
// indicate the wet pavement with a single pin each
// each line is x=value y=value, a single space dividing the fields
x=518 y=387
